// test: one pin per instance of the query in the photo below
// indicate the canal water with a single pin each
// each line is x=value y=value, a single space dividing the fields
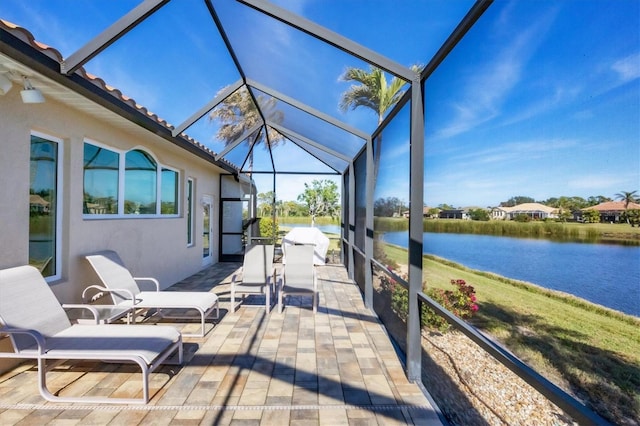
x=605 y=274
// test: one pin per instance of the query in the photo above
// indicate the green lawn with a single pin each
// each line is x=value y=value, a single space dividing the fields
x=588 y=350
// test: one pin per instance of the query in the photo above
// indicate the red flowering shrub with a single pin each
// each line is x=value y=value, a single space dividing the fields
x=460 y=301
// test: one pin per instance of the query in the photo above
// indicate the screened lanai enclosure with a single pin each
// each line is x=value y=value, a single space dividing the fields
x=439 y=103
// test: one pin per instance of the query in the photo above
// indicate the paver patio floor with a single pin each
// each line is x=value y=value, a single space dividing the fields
x=337 y=367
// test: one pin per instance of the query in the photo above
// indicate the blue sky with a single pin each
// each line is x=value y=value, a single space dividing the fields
x=541 y=98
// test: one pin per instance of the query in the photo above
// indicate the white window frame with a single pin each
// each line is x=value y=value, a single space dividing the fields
x=59 y=197
x=121 y=185
x=162 y=167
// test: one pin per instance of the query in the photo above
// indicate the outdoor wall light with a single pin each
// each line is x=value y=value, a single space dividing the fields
x=5 y=84
x=30 y=95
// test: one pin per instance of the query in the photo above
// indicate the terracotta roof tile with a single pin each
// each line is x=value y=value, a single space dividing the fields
x=26 y=36
x=612 y=206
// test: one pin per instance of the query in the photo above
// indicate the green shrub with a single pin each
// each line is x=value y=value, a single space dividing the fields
x=267 y=230
x=460 y=301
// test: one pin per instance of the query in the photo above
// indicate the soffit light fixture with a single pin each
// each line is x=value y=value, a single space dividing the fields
x=30 y=95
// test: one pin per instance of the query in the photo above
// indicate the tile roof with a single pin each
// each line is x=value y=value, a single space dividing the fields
x=612 y=206
x=27 y=37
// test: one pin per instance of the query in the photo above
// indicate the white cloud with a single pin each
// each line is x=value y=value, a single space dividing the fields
x=598 y=182
x=489 y=85
x=627 y=68
x=517 y=151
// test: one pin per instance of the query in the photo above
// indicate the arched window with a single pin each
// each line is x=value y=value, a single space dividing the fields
x=136 y=174
x=140 y=183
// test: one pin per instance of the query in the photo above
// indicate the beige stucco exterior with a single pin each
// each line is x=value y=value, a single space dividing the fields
x=149 y=246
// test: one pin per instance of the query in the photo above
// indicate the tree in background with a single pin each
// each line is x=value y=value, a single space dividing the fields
x=591 y=216
x=479 y=214
x=570 y=204
x=269 y=228
x=237 y=113
x=627 y=198
x=514 y=201
x=445 y=206
x=292 y=208
x=389 y=207
x=433 y=212
x=265 y=203
x=321 y=198
x=372 y=90
x=599 y=199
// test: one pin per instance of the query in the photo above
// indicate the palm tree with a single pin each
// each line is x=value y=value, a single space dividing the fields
x=627 y=197
x=372 y=90
x=237 y=113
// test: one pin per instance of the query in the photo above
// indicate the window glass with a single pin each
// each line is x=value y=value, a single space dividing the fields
x=169 y=194
x=360 y=171
x=345 y=205
x=43 y=192
x=140 y=183
x=391 y=195
x=100 y=180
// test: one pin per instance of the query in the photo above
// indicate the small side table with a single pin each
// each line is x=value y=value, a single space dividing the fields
x=96 y=314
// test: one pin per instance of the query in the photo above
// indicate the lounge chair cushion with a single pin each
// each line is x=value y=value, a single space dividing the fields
x=176 y=299
x=32 y=315
x=115 y=276
x=94 y=341
x=38 y=308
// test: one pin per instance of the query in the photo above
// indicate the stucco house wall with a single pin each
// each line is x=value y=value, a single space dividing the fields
x=149 y=246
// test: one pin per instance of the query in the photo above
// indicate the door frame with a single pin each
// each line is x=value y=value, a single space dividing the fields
x=207 y=201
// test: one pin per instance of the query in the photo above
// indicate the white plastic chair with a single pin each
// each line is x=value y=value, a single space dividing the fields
x=299 y=275
x=257 y=275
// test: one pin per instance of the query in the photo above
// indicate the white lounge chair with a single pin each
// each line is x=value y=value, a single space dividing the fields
x=124 y=291
x=257 y=276
x=40 y=329
x=299 y=275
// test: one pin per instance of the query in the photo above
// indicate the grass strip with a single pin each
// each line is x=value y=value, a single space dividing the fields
x=589 y=350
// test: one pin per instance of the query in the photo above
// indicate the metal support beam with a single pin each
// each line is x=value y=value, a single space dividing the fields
x=110 y=35
x=458 y=33
x=304 y=139
x=352 y=219
x=239 y=140
x=336 y=40
x=416 y=202
x=368 y=236
x=208 y=107
x=311 y=154
x=306 y=108
x=225 y=38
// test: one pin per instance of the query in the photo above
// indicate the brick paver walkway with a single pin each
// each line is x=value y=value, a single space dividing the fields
x=337 y=367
